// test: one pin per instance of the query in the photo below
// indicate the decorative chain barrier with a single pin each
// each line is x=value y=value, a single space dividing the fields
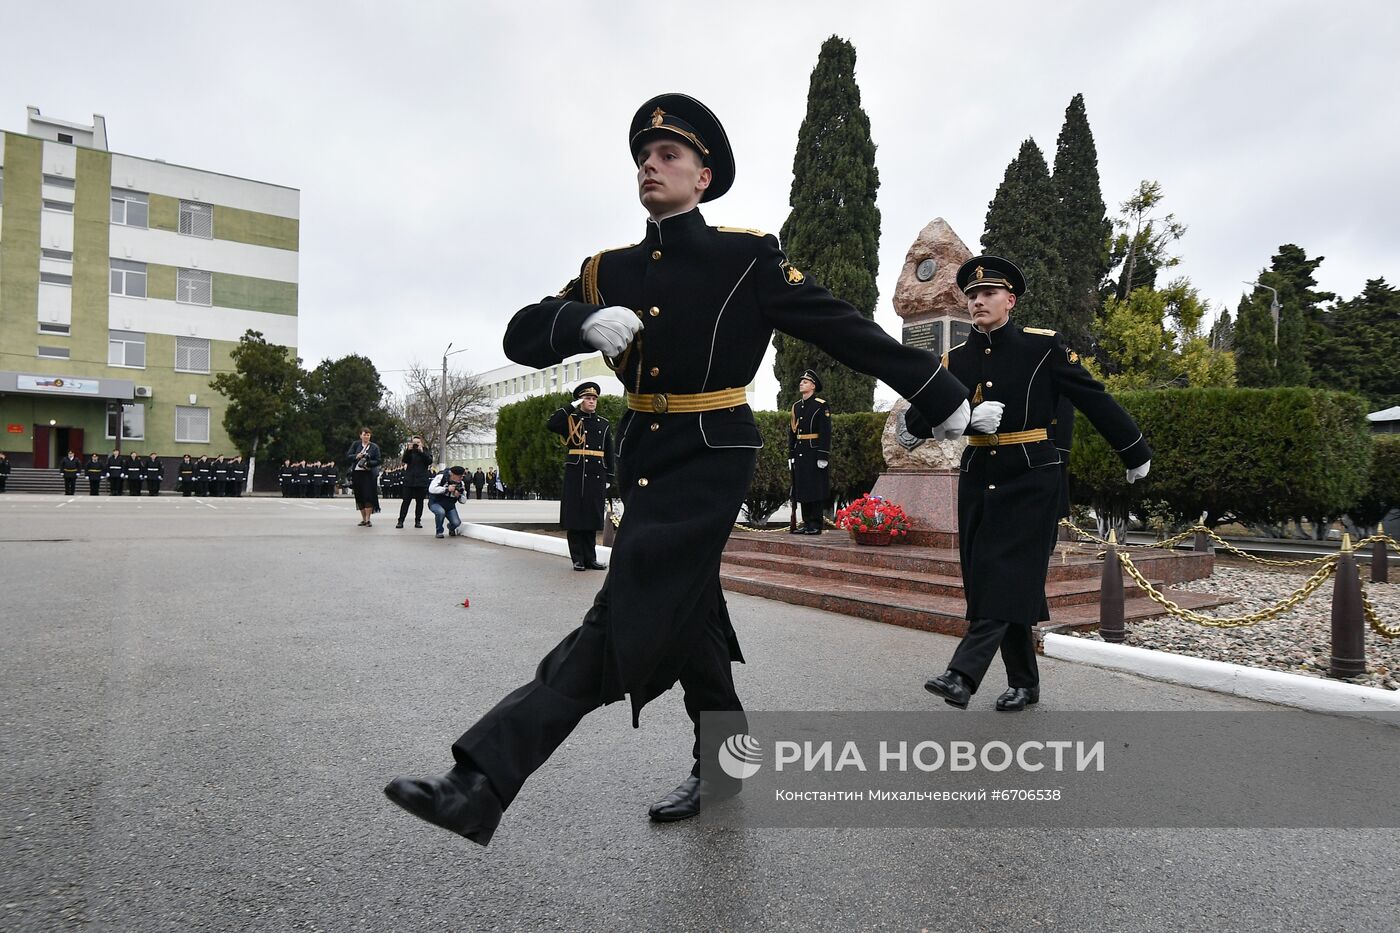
x=773 y=531
x=1226 y=545
x=1316 y=580
x=1377 y=626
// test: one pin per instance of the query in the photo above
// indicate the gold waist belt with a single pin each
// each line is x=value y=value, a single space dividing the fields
x=585 y=453
x=808 y=437
x=1013 y=437
x=685 y=403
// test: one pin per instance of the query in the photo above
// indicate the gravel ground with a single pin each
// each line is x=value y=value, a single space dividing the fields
x=1299 y=641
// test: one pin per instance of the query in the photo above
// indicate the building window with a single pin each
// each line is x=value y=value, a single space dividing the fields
x=55 y=278
x=133 y=422
x=126 y=348
x=130 y=208
x=46 y=327
x=58 y=181
x=53 y=353
x=196 y=219
x=191 y=425
x=192 y=354
x=65 y=138
x=193 y=287
x=62 y=255
x=51 y=205
x=128 y=278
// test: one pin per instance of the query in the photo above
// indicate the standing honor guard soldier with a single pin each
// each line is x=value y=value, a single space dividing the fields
x=588 y=472
x=202 y=472
x=155 y=474
x=809 y=453
x=94 y=470
x=135 y=473
x=116 y=471
x=683 y=318
x=218 y=483
x=69 y=468
x=185 y=476
x=1010 y=491
x=284 y=478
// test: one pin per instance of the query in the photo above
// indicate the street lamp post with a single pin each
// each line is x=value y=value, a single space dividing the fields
x=442 y=402
x=1274 y=307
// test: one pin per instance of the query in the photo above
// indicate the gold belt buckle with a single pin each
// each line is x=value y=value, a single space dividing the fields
x=659 y=403
x=993 y=440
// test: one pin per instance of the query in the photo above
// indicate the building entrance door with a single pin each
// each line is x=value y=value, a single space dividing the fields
x=41 y=446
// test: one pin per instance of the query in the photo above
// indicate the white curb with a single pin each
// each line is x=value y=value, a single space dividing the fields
x=1312 y=693
x=546 y=544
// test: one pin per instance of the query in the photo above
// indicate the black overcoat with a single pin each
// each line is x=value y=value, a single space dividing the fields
x=809 y=443
x=710 y=299
x=1011 y=498
x=588 y=467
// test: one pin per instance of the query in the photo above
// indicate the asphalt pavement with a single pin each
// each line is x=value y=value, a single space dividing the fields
x=202 y=700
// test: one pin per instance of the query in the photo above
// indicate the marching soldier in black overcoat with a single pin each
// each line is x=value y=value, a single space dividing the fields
x=588 y=472
x=116 y=471
x=69 y=468
x=684 y=318
x=809 y=453
x=94 y=469
x=1011 y=491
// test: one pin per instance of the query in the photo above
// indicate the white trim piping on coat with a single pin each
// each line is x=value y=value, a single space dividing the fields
x=704 y=385
x=1030 y=385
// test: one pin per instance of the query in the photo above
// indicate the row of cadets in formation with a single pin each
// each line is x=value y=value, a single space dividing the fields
x=127 y=474
x=307 y=479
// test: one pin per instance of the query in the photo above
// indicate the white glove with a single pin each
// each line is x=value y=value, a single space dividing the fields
x=1137 y=473
x=791 y=461
x=610 y=329
x=986 y=417
x=821 y=464
x=576 y=403
x=956 y=424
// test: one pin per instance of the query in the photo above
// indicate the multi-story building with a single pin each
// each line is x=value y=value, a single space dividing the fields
x=125 y=283
x=515 y=383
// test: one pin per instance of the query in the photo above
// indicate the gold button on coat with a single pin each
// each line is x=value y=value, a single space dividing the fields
x=656 y=370
x=994 y=453
x=656 y=254
x=642 y=481
x=655 y=312
x=992 y=486
x=655 y=426
x=988 y=351
x=989 y=383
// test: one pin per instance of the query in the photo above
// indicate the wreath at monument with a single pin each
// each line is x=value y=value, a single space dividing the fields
x=874 y=520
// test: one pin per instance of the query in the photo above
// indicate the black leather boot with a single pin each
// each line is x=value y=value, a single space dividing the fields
x=953 y=687
x=461 y=801
x=1018 y=698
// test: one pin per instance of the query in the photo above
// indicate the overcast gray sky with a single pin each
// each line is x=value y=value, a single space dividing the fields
x=458 y=160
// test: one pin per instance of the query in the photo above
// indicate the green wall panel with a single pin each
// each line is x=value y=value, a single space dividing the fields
x=232 y=223
x=19 y=251
x=250 y=294
x=160 y=281
x=164 y=213
x=91 y=249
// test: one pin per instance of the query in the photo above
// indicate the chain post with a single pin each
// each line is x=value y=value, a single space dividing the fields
x=1380 y=556
x=1202 y=542
x=1111 y=594
x=1348 y=628
x=1065 y=533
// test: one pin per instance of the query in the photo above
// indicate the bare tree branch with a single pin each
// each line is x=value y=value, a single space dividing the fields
x=468 y=406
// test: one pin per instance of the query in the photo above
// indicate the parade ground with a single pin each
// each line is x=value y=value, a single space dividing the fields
x=203 y=699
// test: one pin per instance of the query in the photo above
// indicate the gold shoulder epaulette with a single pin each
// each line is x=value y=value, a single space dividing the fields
x=821 y=401
x=1039 y=330
x=590 y=275
x=749 y=230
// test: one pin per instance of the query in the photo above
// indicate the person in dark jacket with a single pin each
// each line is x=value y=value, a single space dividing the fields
x=284 y=478
x=155 y=474
x=69 y=468
x=588 y=472
x=445 y=490
x=94 y=470
x=4 y=470
x=186 y=472
x=684 y=318
x=1010 y=492
x=363 y=460
x=478 y=480
x=417 y=473
x=135 y=473
x=117 y=466
x=809 y=453
x=203 y=473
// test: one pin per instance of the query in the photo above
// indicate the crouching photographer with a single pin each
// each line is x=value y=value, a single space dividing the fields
x=444 y=492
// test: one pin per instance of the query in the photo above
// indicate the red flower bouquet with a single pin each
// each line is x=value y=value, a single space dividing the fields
x=874 y=520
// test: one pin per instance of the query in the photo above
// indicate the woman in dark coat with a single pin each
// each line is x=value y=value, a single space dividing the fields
x=416 y=475
x=363 y=457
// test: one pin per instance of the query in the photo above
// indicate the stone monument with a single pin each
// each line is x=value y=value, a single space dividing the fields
x=924 y=481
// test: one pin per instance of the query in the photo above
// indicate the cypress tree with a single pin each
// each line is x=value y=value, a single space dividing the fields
x=1362 y=345
x=1083 y=229
x=1255 y=353
x=1300 y=328
x=833 y=230
x=1021 y=227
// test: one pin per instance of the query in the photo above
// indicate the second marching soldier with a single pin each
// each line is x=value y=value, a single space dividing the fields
x=809 y=453
x=588 y=472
